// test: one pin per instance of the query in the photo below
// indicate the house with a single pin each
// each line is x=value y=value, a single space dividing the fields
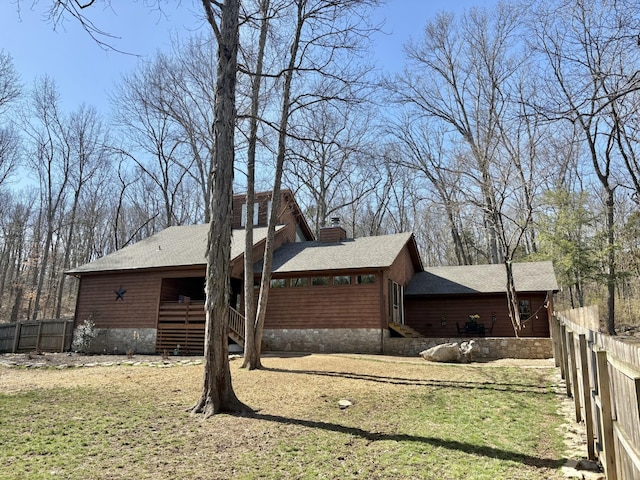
x=333 y=294
x=149 y=296
x=439 y=300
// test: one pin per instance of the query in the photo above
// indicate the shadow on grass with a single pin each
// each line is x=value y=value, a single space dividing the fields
x=495 y=386
x=482 y=450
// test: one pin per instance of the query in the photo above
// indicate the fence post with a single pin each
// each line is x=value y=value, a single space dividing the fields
x=604 y=392
x=39 y=335
x=586 y=395
x=64 y=335
x=565 y=360
x=16 y=338
x=555 y=337
x=574 y=374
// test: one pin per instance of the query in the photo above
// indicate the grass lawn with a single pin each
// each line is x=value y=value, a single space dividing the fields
x=409 y=419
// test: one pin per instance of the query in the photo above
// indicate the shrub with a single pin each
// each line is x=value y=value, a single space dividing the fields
x=84 y=335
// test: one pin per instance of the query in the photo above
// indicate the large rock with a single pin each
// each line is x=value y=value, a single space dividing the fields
x=450 y=352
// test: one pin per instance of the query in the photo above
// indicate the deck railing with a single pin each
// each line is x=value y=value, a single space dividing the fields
x=181 y=327
x=236 y=326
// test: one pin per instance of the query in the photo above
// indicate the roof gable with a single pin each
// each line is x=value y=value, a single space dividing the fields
x=473 y=279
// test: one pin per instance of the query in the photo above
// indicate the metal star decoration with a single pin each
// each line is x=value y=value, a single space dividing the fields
x=120 y=294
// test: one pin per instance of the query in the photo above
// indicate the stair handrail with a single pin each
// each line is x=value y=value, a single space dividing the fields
x=236 y=322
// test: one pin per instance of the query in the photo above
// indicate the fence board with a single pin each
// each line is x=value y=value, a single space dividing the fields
x=43 y=335
x=608 y=393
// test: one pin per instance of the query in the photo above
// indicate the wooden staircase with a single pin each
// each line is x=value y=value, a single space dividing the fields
x=236 y=326
x=404 y=330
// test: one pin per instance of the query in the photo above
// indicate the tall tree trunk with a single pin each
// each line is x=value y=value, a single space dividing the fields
x=251 y=340
x=265 y=281
x=512 y=299
x=42 y=270
x=67 y=251
x=611 y=261
x=217 y=393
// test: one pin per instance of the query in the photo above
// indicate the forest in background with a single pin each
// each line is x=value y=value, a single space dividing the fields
x=512 y=135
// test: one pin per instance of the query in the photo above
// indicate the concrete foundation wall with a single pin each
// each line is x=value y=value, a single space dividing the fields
x=490 y=347
x=336 y=340
x=324 y=340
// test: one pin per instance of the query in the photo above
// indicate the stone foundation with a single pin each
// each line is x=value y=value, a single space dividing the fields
x=490 y=347
x=324 y=340
x=121 y=340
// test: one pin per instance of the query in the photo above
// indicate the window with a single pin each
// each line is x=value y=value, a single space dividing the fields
x=299 y=282
x=318 y=281
x=524 y=307
x=243 y=218
x=278 y=283
x=365 y=279
x=342 y=280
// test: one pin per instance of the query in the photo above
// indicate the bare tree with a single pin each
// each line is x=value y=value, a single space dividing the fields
x=153 y=141
x=188 y=78
x=87 y=144
x=320 y=32
x=253 y=334
x=50 y=158
x=330 y=154
x=9 y=138
x=217 y=393
x=422 y=150
x=457 y=75
x=9 y=81
x=588 y=49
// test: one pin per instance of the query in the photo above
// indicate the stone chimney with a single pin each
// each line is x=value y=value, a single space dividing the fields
x=333 y=233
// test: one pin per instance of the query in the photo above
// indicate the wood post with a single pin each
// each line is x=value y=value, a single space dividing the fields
x=16 y=338
x=586 y=395
x=565 y=360
x=574 y=374
x=604 y=392
x=557 y=343
x=64 y=335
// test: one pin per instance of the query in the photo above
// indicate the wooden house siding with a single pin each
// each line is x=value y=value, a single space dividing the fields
x=426 y=314
x=286 y=235
x=402 y=269
x=138 y=309
x=288 y=213
x=326 y=306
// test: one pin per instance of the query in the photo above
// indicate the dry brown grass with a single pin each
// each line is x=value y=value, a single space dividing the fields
x=408 y=420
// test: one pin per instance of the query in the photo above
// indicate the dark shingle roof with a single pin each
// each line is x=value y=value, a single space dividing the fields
x=528 y=277
x=184 y=245
x=359 y=253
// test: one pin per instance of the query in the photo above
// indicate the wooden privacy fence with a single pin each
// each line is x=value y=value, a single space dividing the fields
x=37 y=335
x=602 y=374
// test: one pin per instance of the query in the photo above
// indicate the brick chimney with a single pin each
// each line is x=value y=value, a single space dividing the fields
x=333 y=233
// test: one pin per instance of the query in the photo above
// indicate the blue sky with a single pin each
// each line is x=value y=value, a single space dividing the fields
x=85 y=72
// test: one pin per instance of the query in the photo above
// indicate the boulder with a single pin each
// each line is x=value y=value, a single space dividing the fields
x=445 y=352
x=451 y=352
x=469 y=350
